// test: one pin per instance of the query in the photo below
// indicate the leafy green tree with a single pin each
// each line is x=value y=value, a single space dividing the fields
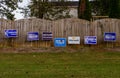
x=38 y=8
x=109 y=8
x=48 y=10
x=100 y=7
x=84 y=10
x=7 y=7
x=25 y=11
x=114 y=9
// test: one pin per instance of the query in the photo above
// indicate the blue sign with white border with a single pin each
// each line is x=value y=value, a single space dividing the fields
x=11 y=33
x=60 y=42
x=90 y=40
x=109 y=36
x=33 y=36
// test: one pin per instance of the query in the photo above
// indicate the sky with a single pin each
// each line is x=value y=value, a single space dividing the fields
x=24 y=4
x=17 y=13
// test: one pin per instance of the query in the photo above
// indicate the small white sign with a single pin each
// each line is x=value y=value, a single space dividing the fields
x=74 y=40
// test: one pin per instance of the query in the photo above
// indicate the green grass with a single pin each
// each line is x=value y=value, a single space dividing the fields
x=60 y=65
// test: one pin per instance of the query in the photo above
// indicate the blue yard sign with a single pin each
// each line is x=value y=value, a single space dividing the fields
x=60 y=42
x=109 y=36
x=32 y=36
x=11 y=33
x=90 y=40
x=47 y=36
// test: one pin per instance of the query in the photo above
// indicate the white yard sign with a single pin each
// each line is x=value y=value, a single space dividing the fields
x=73 y=40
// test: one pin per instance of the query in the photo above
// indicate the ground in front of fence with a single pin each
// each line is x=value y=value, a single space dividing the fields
x=87 y=64
x=70 y=48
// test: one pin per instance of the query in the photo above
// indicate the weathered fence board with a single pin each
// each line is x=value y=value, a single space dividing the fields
x=60 y=28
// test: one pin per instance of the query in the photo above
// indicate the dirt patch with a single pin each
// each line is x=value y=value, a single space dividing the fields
x=115 y=49
x=53 y=49
x=32 y=50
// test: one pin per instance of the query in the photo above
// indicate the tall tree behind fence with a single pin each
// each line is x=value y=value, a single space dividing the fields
x=60 y=28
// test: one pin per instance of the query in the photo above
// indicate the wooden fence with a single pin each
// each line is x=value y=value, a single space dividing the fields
x=60 y=28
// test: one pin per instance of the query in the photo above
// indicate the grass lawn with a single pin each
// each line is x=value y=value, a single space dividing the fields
x=60 y=65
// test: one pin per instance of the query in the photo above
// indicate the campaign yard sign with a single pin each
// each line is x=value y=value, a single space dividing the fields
x=60 y=42
x=47 y=36
x=33 y=36
x=90 y=40
x=109 y=36
x=11 y=33
x=73 y=40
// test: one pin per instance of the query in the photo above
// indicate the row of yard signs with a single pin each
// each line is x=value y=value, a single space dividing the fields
x=61 y=42
x=31 y=36
x=34 y=36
